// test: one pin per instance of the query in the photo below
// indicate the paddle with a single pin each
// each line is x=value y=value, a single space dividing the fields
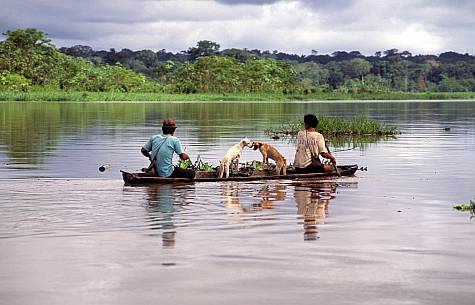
x=334 y=164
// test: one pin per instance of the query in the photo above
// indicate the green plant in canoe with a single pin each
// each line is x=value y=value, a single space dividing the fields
x=185 y=164
x=205 y=167
x=359 y=125
x=256 y=165
x=199 y=165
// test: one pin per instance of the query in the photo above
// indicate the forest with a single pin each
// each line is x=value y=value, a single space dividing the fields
x=30 y=62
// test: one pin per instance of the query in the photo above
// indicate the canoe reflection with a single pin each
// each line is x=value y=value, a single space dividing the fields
x=312 y=205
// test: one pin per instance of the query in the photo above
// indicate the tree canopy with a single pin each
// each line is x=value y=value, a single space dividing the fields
x=28 y=60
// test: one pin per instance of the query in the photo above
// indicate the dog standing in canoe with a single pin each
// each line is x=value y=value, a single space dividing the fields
x=269 y=151
x=234 y=153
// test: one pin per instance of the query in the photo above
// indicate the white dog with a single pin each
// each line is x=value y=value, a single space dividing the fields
x=233 y=153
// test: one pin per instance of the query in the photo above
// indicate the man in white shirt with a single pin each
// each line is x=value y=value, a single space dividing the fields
x=311 y=145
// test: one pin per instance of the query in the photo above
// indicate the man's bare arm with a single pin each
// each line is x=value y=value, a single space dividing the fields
x=328 y=155
x=145 y=152
x=184 y=156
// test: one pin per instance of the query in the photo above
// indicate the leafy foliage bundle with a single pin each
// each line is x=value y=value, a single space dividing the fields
x=337 y=126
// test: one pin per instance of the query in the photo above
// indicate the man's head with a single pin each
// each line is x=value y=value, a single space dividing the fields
x=168 y=126
x=310 y=120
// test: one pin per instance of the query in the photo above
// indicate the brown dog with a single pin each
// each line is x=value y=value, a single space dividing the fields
x=268 y=151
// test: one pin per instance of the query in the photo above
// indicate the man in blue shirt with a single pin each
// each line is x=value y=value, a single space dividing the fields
x=162 y=147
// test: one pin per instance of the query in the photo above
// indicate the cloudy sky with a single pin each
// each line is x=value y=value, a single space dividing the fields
x=420 y=26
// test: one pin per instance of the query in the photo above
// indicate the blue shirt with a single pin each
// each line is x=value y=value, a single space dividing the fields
x=168 y=145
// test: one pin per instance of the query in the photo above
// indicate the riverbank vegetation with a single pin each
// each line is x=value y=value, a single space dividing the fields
x=57 y=95
x=32 y=68
x=329 y=126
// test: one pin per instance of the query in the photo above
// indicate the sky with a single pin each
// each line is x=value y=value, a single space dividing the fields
x=292 y=26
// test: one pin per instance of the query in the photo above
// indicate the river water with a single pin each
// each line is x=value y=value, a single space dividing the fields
x=70 y=234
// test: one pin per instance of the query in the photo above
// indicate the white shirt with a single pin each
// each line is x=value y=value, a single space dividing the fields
x=308 y=143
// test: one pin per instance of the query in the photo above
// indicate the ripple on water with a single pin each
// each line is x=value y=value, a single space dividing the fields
x=387 y=236
x=81 y=207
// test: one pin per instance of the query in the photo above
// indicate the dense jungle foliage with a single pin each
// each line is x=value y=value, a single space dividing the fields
x=30 y=62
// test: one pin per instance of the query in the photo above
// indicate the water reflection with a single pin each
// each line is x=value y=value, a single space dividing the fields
x=342 y=143
x=30 y=133
x=310 y=197
x=230 y=193
x=163 y=202
x=269 y=194
x=236 y=198
x=312 y=201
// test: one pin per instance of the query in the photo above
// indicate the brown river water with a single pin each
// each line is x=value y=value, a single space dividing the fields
x=70 y=234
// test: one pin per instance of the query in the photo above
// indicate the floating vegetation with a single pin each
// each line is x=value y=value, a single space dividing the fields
x=465 y=206
x=357 y=126
x=340 y=142
x=343 y=143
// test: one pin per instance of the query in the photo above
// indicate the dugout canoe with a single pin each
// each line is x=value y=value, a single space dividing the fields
x=141 y=178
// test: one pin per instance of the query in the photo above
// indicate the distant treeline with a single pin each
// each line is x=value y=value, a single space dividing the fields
x=28 y=60
x=388 y=70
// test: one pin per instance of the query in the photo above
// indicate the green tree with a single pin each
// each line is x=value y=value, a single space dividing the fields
x=29 y=53
x=355 y=68
x=14 y=82
x=203 y=48
x=28 y=38
x=311 y=74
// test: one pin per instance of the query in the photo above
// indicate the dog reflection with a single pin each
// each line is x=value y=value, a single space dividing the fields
x=270 y=194
x=230 y=194
x=312 y=204
x=267 y=194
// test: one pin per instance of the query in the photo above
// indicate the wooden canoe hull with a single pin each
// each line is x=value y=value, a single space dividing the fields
x=141 y=178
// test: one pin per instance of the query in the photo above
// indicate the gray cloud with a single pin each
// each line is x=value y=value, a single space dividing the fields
x=421 y=26
x=254 y=2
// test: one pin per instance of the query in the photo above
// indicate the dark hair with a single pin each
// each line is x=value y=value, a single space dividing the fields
x=310 y=120
x=168 y=129
x=168 y=126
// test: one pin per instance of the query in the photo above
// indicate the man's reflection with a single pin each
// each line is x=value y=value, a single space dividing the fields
x=161 y=207
x=312 y=199
x=312 y=204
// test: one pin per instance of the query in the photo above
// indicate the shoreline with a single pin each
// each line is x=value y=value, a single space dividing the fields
x=62 y=96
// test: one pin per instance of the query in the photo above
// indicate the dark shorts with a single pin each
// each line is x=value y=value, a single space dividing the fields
x=183 y=173
x=311 y=169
